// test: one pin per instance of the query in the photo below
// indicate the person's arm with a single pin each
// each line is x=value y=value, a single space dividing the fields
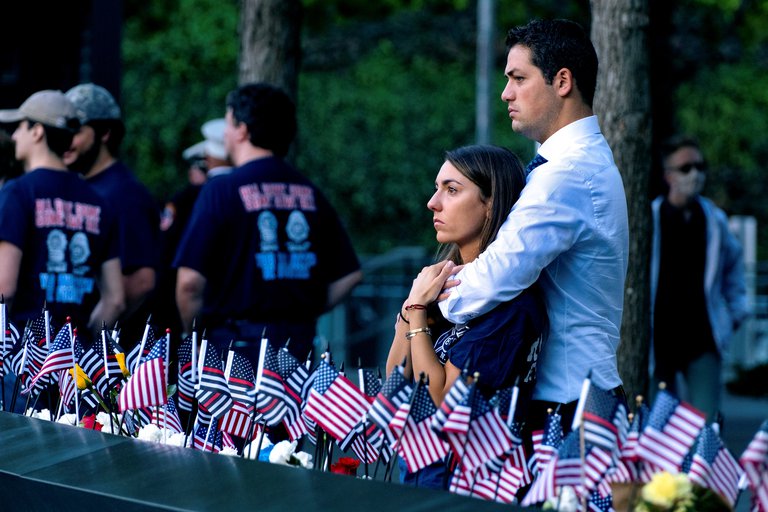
x=10 y=263
x=137 y=286
x=190 y=285
x=424 y=291
x=400 y=349
x=544 y=223
x=112 y=301
x=734 y=286
x=340 y=288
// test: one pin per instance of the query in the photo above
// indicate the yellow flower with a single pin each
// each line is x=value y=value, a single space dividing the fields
x=665 y=489
x=121 y=361
x=82 y=381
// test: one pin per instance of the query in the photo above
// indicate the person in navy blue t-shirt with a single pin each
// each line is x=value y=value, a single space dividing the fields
x=94 y=154
x=58 y=239
x=263 y=249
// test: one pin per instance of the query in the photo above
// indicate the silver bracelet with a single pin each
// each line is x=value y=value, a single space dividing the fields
x=413 y=332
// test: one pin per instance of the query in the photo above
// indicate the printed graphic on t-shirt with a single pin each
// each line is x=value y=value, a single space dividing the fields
x=295 y=260
x=533 y=359
x=66 y=278
x=58 y=213
x=277 y=196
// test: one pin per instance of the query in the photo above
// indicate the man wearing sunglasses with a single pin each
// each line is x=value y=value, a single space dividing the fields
x=698 y=294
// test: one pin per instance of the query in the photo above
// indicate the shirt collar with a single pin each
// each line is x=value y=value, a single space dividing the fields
x=567 y=135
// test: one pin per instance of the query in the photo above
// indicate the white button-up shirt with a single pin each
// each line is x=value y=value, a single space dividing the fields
x=569 y=230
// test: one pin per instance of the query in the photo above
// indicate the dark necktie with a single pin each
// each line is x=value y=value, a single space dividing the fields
x=537 y=161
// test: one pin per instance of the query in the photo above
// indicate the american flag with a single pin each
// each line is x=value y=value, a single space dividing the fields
x=670 y=433
x=334 y=402
x=295 y=376
x=213 y=395
x=241 y=380
x=134 y=357
x=207 y=441
x=755 y=463
x=604 y=419
x=713 y=467
x=366 y=439
x=583 y=474
x=453 y=415
x=67 y=388
x=418 y=445
x=187 y=379
x=92 y=364
x=167 y=416
x=486 y=437
x=8 y=346
x=543 y=487
x=114 y=351
x=598 y=503
x=61 y=355
x=546 y=442
x=371 y=384
x=395 y=391
x=364 y=442
x=147 y=386
x=483 y=482
x=630 y=467
x=28 y=360
x=271 y=399
x=238 y=420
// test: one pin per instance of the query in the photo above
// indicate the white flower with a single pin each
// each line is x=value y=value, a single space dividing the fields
x=566 y=501
x=285 y=453
x=44 y=414
x=282 y=451
x=304 y=458
x=151 y=433
x=227 y=450
x=68 y=419
x=176 y=439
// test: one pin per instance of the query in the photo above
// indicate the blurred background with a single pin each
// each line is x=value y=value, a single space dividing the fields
x=383 y=89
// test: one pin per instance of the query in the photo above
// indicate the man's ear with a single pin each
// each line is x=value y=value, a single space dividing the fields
x=38 y=132
x=563 y=82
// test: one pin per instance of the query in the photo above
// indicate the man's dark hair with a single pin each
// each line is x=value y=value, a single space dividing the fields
x=675 y=142
x=59 y=140
x=269 y=114
x=558 y=44
x=116 y=131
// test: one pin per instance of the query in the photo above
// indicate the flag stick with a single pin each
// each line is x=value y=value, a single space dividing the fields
x=361 y=384
x=167 y=363
x=74 y=368
x=23 y=368
x=3 y=321
x=208 y=434
x=143 y=344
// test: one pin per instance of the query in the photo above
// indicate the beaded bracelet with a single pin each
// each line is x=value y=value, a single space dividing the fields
x=410 y=334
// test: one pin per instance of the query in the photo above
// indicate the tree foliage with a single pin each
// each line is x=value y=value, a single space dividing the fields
x=180 y=60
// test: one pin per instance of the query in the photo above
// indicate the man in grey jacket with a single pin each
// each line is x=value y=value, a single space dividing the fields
x=698 y=293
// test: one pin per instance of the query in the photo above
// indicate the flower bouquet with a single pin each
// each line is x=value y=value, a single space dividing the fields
x=667 y=493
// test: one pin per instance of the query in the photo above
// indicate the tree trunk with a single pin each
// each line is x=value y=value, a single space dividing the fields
x=270 y=43
x=619 y=33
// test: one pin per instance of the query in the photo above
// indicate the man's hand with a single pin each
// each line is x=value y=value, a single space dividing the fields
x=431 y=281
x=450 y=283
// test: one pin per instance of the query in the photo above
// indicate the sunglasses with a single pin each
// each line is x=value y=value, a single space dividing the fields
x=686 y=168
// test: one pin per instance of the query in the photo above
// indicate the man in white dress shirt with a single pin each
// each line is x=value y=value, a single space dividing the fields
x=569 y=228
